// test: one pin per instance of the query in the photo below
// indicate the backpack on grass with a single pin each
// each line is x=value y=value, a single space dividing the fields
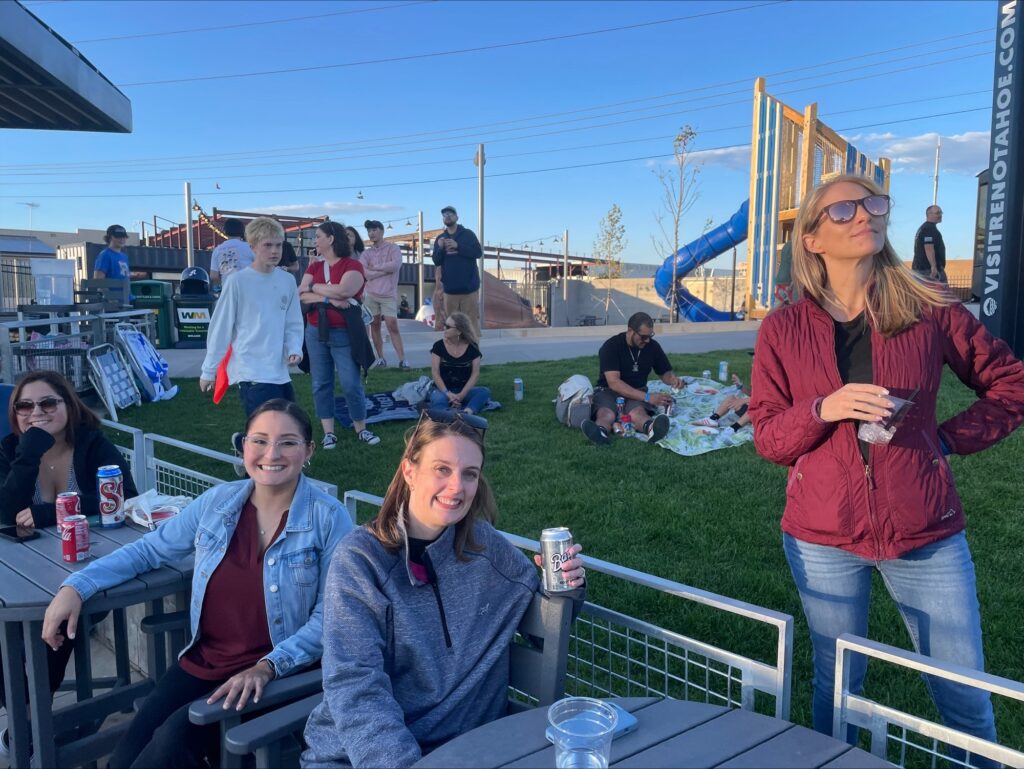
x=573 y=403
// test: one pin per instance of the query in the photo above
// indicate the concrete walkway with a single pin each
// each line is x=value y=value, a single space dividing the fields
x=535 y=344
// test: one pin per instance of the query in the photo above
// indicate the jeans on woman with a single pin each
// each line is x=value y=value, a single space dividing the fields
x=324 y=359
x=934 y=589
x=161 y=734
x=475 y=399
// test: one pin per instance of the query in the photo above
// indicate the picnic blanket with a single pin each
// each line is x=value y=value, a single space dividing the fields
x=385 y=407
x=697 y=400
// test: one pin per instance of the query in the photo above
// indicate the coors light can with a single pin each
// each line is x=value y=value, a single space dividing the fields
x=74 y=536
x=68 y=504
x=110 y=490
x=554 y=549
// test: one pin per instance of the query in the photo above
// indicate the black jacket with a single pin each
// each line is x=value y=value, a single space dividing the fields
x=19 y=469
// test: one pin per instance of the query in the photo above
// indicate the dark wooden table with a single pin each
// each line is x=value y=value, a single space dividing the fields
x=30 y=575
x=670 y=733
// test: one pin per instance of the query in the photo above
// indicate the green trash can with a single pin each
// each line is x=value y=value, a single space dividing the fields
x=156 y=295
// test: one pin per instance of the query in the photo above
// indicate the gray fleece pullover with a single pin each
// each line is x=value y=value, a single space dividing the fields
x=406 y=666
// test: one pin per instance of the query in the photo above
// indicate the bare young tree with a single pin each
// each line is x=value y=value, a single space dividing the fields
x=610 y=243
x=679 y=193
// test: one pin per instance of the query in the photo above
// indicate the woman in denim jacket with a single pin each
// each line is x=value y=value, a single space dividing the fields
x=273 y=534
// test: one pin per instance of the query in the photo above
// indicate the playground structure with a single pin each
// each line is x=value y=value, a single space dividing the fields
x=791 y=153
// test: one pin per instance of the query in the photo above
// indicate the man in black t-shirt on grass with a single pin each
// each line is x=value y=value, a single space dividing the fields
x=626 y=361
x=929 y=248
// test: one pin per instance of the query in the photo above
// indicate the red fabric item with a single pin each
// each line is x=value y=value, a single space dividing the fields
x=233 y=630
x=221 y=383
x=334 y=317
x=909 y=498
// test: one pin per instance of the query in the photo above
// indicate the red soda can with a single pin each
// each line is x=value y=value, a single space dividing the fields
x=110 y=490
x=74 y=536
x=68 y=504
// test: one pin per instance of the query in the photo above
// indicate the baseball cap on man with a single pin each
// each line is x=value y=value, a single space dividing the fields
x=373 y=224
x=450 y=208
x=116 y=231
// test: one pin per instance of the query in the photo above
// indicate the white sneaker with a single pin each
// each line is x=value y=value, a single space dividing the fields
x=379 y=363
x=369 y=438
x=330 y=441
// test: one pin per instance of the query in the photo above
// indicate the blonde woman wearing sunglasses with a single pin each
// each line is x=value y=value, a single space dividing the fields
x=866 y=329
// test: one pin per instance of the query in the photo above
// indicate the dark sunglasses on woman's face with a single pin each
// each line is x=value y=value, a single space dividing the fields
x=48 y=405
x=843 y=211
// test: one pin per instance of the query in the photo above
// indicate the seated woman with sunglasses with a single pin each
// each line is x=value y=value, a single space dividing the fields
x=867 y=328
x=421 y=606
x=261 y=550
x=455 y=367
x=55 y=446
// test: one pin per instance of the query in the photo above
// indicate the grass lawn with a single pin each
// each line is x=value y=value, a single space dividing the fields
x=710 y=521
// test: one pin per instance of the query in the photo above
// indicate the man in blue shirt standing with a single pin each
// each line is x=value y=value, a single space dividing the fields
x=112 y=264
x=456 y=251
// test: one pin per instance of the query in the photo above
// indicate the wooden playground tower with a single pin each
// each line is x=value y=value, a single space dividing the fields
x=791 y=154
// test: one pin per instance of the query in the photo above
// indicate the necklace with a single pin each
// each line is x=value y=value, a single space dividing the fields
x=636 y=358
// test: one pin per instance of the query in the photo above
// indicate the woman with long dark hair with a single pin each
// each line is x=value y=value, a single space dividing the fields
x=328 y=286
x=866 y=493
x=261 y=549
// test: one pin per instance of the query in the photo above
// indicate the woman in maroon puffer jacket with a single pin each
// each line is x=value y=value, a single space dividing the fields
x=867 y=328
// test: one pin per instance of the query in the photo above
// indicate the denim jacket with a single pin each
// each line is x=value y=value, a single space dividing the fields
x=294 y=566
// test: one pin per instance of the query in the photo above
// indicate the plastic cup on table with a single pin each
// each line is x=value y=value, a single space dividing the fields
x=582 y=730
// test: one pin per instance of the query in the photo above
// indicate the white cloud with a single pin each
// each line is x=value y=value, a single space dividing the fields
x=965 y=153
x=730 y=157
x=327 y=207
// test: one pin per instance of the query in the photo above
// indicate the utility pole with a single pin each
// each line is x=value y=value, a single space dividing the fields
x=479 y=162
x=565 y=267
x=935 y=179
x=189 y=251
x=419 y=250
x=31 y=209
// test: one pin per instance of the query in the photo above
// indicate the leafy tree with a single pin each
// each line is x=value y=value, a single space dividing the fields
x=610 y=243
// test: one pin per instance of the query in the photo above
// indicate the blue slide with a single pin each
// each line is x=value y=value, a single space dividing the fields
x=703 y=249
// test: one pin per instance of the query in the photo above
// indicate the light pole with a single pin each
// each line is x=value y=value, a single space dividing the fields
x=31 y=208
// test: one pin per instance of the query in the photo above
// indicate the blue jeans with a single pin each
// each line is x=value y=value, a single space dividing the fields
x=934 y=589
x=324 y=360
x=255 y=394
x=475 y=400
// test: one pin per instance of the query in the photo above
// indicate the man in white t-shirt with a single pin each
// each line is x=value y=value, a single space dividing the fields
x=232 y=255
x=382 y=262
x=259 y=318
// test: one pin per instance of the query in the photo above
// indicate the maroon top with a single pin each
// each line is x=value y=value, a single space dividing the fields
x=317 y=269
x=904 y=497
x=233 y=630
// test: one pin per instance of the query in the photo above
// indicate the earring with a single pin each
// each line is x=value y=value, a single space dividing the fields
x=307 y=463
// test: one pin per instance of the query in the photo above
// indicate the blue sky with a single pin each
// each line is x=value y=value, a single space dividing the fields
x=308 y=142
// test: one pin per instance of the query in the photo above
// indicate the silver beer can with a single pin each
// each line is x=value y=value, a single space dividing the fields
x=723 y=371
x=554 y=549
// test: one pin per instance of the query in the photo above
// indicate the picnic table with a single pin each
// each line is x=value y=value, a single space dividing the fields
x=670 y=733
x=30 y=575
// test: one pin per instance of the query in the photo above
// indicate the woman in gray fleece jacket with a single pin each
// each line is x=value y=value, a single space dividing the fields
x=420 y=607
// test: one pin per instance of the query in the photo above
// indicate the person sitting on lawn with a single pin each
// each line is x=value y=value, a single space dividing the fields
x=626 y=360
x=55 y=446
x=261 y=550
x=736 y=402
x=421 y=605
x=455 y=368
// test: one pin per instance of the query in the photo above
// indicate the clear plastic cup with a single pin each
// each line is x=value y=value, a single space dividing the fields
x=582 y=730
x=882 y=432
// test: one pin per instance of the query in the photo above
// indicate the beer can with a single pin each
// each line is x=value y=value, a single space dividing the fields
x=517 y=388
x=620 y=405
x=74 y=538
x=723 y=370
x=554 y=549
x=67 y=504
x=706 y=373
x=110 y=490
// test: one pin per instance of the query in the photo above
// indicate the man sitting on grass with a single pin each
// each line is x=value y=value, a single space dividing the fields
x=626 y=360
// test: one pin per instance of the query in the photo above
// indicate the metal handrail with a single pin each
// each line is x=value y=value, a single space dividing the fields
x=138 y=449
x=780 y=674
x=855 y=710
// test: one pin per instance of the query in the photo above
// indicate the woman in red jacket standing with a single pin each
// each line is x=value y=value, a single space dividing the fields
x=866 y=328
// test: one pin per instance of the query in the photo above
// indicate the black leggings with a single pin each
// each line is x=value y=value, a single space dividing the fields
x=56 y=663
x=161 y=734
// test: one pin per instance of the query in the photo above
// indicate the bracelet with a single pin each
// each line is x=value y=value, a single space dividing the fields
x=326 y=300
x=647 y=397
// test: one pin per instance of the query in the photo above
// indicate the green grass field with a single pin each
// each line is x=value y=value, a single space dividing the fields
x=710 y=521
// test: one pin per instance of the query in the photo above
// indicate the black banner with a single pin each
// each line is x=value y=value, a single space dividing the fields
x=1002 y=302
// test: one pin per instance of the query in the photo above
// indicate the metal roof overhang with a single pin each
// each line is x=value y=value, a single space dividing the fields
x=45 y=83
